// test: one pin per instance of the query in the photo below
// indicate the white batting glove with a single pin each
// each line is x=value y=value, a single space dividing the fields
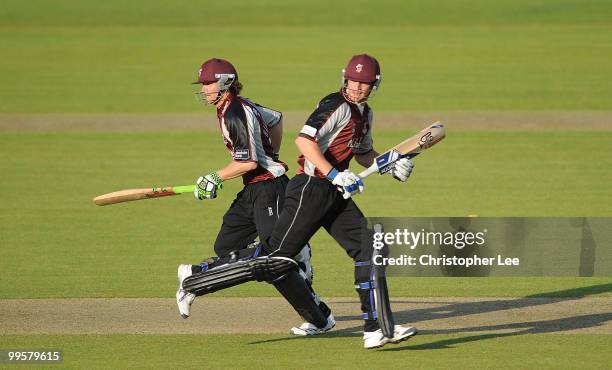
x=207 y=186
x=402 y=169
x=347 y=182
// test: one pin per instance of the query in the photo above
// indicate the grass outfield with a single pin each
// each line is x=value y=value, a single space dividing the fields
x=550 y=351
x=49 y=225
x=139 y=56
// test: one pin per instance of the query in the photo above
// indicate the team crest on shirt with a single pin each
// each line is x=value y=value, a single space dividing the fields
x=357 y=139
x=355 y=143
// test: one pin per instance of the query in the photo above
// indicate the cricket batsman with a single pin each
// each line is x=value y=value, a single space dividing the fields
x=252 y=135
x=320 y=196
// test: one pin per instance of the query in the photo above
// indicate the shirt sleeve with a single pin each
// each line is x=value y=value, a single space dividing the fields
x=270 y=116
x=325 y=118
x=240 y=132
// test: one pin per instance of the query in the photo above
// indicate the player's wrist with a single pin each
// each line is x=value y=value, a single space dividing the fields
x=331 y=175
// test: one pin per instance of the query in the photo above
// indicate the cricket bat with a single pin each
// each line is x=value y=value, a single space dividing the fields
x=408 y=148
x=137 y=194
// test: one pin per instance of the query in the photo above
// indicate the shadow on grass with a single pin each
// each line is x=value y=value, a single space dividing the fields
x=534 y=327
x=521 y=328
x=457 y=309
x=576 y=292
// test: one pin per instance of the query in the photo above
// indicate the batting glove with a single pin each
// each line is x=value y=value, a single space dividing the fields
x=347 y=182
x=402 y=169
x=207 y=186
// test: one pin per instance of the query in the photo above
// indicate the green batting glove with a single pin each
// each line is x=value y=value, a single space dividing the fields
x=207 y=186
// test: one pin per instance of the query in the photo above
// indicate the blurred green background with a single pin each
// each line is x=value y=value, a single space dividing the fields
x=140 y=56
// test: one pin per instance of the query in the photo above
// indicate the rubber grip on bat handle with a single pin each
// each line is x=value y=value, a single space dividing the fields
x=368 y=171
x=183 y=189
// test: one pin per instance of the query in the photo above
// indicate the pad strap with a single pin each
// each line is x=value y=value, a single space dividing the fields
x=369 y=315
x=366 y=286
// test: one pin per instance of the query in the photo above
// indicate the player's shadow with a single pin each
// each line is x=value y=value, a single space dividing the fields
x=519 y=328
x=532 y=327
x=458 y=309
x=448 y=310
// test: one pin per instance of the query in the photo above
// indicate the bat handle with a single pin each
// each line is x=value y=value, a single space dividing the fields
x=183 y=189
x=374 y=167
x=368 y=171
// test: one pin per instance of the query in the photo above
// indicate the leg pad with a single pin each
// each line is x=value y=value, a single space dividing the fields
x=299 y=294
x=270 y=269
x=381 y=299
x=381 y=293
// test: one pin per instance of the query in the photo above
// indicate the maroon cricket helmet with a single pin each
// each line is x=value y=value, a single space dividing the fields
x=363 y=68
x=217 y=70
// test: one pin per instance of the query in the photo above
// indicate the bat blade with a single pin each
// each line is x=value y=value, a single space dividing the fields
x=408 y=148
x=128 y=195
x=423 y=140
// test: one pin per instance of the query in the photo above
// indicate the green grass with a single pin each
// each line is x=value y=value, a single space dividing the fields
x=263 y=14
x=69 y=247
x=139 y=56
x=550 y=351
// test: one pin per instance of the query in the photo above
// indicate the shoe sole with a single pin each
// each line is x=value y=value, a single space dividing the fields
x=380 y=345
x=178 y=273
x=184 y=316
x=405 y=338
x=395 y=341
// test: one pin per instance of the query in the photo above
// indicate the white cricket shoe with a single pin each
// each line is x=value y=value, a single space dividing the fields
x=310 y=329
x=183 y=298
x=402 y=333
x=376 y=339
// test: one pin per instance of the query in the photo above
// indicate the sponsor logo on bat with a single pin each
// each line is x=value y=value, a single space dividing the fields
x=158 y=192
x=386 y=161
x=426 y=140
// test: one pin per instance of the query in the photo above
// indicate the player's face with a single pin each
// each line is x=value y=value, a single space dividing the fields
x=210 y=92
x=357 y=91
